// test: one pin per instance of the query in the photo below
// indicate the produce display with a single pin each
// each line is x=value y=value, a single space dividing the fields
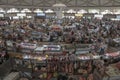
x=52 y=47
x=28 y=45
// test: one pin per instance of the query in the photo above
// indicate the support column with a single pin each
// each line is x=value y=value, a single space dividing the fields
x=59 y=13
x=58 y=9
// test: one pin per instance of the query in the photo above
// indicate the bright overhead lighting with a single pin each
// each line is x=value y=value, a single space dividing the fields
x=26 y=11
x=93 y=11
x=82 y=11
x=106 y=12
x=117 y=12
x=49 y=11
x=59 y=5
x=13 y=10
x=1 y=10
x=71 y=11
x=38 y=11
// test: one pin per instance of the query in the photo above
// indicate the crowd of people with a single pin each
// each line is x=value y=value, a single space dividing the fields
x=72 y=31
x=85 y=30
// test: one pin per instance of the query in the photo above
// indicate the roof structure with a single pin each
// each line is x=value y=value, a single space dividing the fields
x=68 y=3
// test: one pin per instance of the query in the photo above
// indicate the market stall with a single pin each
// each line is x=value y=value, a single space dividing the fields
x=52 y=47
x=49 y=49
x=36 y=35
x=117 y=41
x=39 y=50
x=56 y=27
x=113 y=73
x=113 y=55
x=36 y=63
x=27 y=47
x=69 y=48
x=84 y=57
x=82 y=49
x=110 y=73
x=9 y=45
x=72 y=26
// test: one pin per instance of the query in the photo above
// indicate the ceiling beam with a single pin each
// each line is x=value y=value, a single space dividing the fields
x=69 y=3
x=99 y=2
x=76 y=2
x=108 y=2
x=116 y=1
